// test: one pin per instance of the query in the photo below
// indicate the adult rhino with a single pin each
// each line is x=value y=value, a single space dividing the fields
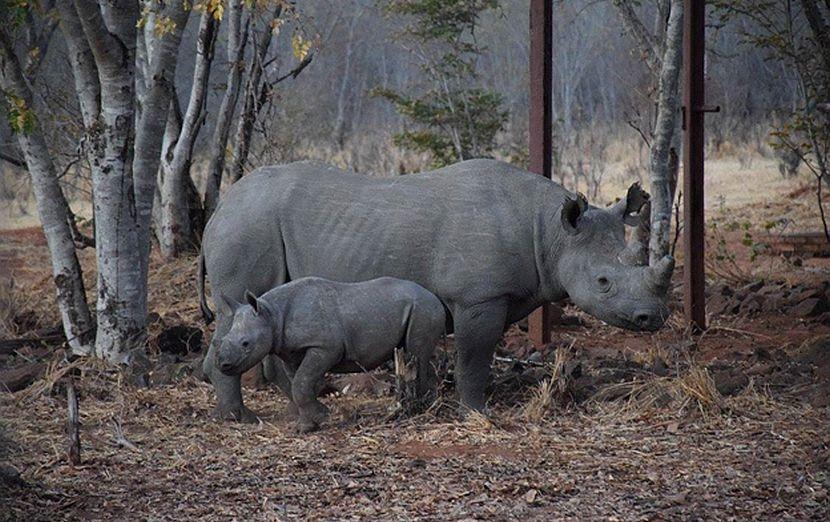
x=492 y=241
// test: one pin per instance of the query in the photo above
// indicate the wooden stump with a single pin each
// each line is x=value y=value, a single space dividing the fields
x=406 y=384
x=73 y=431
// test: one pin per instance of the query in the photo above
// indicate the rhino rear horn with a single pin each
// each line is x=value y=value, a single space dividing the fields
x=636 y=251
x=628 y=208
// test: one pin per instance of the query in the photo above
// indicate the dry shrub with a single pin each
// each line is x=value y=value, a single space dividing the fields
x=693 y=390
x=95 y=374
x=20 y=310
x=552 y=393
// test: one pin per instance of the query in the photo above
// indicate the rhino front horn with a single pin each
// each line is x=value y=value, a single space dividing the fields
x=660 y=273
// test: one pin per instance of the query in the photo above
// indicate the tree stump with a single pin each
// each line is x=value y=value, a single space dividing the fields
x=73 y=431
x=406 y=384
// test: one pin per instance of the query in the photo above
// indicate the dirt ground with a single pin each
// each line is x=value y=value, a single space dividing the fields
x=600 y=424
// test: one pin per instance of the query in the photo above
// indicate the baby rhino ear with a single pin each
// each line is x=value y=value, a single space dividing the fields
x=255 y=302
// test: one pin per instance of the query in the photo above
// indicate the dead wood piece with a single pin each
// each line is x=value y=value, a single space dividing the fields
x=7 y=346
x=15 y=379
x=73 y=431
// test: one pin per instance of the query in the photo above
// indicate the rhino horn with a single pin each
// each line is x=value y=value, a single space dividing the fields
x=660 y=274
x=628 y=207
x=636 y=252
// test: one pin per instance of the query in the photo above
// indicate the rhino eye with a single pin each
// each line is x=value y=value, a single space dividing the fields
x=245 y=344
x=603 y=283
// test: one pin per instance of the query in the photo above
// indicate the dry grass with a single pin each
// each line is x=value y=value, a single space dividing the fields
x=755 y=458
x=552 y=393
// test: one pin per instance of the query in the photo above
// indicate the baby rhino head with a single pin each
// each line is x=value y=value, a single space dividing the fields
x=251 y=335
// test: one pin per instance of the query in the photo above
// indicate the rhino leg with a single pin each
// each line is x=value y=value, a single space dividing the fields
x=421 y=339
x=228 y=387
x=306 y=383
x=278 y=372
x=477 y=330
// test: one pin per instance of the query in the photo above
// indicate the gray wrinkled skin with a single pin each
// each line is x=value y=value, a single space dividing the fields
x=492 y=241
x=316 y=326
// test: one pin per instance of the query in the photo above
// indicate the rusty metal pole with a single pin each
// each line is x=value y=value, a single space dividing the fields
x=694 y=99
x=541 y=121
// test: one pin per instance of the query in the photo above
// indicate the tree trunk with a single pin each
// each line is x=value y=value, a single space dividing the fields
x=158 y=78
x=53 y=211
x=254 y=96
x=663 y=181
x=221 y=133
x=177 y=235
x=339 y=133
x=121 y=290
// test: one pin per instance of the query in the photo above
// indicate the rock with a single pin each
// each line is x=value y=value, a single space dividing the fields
x=659 y=367
x=720 y=289
x=816 y=352
x=807 y=293
x=749 y=289
x=774 y=301
x=10 y=476
x=730 y=381
x=753 y=304
x=180 y=340
x=15 y=379
x=811 y=307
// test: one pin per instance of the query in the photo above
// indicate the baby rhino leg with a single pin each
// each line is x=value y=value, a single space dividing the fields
x=423 y=334
x=306 y=383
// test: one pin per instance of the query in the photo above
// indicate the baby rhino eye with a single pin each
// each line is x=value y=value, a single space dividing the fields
x=603 y=283
x=245 y=344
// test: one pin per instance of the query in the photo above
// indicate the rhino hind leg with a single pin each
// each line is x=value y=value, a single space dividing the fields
x=477 y=330
x=422 y=337
x=228 y=388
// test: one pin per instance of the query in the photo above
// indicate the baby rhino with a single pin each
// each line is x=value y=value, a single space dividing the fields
x=315 y=325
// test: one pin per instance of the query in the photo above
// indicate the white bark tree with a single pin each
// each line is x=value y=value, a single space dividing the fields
x=663 y=55
x=237 y=38
x=122 y=146
x=177 y=231
x=53 y=210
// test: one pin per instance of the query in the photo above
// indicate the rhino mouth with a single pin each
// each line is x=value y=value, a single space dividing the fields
x=643 y=321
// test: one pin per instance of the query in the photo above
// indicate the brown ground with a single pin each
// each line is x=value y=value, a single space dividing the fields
x=730 y=424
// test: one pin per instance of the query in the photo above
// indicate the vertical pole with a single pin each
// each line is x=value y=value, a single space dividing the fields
x=694 y=100
x=541 y=119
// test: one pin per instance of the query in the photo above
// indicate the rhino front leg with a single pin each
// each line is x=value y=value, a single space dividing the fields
x=477 y=330
x=306 y=383
x=228 y=387
x=279 y=372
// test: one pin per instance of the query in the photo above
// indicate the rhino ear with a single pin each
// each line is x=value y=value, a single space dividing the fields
x=626 y=209
x=252 y=300
x=226 y=304
x=572 y=210
x=259 y=306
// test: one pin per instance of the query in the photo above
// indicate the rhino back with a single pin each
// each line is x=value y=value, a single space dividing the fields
x=464 y=232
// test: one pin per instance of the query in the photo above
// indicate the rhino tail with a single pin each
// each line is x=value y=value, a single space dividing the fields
x=207 y=313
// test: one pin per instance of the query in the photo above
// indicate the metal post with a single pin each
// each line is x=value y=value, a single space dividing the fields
x=541 y=119
x=694 y=99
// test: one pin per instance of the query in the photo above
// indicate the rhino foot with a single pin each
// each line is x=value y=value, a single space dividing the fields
x=291 y=410
x=311 y=417
x=307 y=426
x=238 y=414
